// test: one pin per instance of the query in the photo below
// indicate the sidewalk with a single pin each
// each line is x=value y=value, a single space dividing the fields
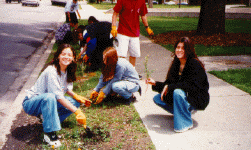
x=225 y=124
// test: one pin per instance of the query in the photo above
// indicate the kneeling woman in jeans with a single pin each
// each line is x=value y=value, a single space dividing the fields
x=118 y=75
x=185 y=89
x=47 y=98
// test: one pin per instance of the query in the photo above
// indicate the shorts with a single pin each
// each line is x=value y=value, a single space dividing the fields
x=128 y=44
x=73 y=16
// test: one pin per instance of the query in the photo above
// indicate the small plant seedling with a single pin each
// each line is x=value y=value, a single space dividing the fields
x=147 y=71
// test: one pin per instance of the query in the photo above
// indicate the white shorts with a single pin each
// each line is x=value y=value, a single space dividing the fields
x=128 y=44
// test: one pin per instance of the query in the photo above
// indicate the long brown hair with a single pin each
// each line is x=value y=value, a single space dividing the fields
x=71 y=68
x=110 y=59
x=189 y=53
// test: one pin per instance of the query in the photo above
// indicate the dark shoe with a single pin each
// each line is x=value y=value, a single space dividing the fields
x=130 y=100
x=52 y=139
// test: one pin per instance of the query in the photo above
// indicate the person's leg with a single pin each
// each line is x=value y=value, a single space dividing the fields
x=123 y=42
x=182 y=114
x=45 y=104
x=157 y=100
x=134 y=49
x=64 y=112
x=125 y=88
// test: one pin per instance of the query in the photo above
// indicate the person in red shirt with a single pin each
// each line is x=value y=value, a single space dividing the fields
x=128 y=28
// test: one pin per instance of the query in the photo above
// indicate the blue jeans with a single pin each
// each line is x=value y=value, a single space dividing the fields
x=53 y=112
x=125 y=88
x=181 y=109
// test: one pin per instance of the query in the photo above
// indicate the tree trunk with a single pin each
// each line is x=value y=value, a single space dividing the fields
x=150 y=3
x=212 y=17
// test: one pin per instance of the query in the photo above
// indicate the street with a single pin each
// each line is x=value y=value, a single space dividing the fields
x=22 y=31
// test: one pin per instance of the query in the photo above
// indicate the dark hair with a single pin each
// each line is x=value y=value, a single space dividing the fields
x=189 y=53
x=71 y=68
x=110 y=59
x=93 y=19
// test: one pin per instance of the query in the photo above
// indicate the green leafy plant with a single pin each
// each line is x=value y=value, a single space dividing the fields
x=147 y=71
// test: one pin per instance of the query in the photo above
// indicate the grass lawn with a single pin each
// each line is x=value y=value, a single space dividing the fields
x=239 y=78
x=168 y=24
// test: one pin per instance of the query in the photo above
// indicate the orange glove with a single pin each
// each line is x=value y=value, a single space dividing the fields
x=82 y=99
x=100 y=98
x=85 y=58
x=94 y=95
x=114 y=31
x=80 y=117
x=149 y=31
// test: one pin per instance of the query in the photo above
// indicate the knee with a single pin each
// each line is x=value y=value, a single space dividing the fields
x=116 y=87
x=50 y=97
x=157 y=98
x=179 y=93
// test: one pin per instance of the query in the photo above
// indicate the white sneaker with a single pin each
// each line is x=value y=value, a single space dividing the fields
x=52 y=139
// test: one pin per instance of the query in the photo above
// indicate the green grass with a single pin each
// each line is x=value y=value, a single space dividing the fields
x=239 y=78
x=102 y=6
x=173 y=6
x=167 y=24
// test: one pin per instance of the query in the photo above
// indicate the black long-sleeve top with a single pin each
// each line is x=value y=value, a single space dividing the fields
x=193 y=81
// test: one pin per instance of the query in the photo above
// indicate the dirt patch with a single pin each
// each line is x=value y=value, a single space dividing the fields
x=227 y=39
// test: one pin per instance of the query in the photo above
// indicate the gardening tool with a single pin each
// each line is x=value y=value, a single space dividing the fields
x=115 y=43
x=88 y=131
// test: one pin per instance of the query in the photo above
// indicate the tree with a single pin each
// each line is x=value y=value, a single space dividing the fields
x=212 y=17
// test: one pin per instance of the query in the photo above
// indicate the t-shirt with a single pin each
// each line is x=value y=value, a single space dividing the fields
x=129 y=12
x=51 y=82
x=71 y=7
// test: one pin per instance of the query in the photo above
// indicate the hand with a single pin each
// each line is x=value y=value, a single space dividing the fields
x=82 y=100
x=79 y=56
x=85 y=58
x=149 y=31
x=164 y=92
x=114 y=31
x=94 y=95
x=100 y=98
x=150 y=81
x=80 y=117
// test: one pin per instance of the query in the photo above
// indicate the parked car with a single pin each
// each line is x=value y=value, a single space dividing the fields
x=170 y=3
x=30 y=2
x=59 y=2
x=183 y=3
x=155 y=2
x=9 y=1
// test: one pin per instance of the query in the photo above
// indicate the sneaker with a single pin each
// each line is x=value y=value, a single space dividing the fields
x=52 y=139
x=183 y=130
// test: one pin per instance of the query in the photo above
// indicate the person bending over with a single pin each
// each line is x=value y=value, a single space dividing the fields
x=118 y=75
x=47 y=96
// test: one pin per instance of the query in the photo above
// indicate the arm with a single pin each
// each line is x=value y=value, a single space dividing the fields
x=144 y=20
x=67 y=104
x=114 y=18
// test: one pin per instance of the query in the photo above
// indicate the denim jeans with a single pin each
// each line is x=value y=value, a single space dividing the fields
x=181 y=109
x=125 y=88
x=53 y=112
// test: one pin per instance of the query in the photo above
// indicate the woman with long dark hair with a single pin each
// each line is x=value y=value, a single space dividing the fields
x=47 y=97
x=185 y=89
x=118 y=75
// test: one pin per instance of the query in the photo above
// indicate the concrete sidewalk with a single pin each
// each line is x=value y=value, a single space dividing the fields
x=225 y=124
